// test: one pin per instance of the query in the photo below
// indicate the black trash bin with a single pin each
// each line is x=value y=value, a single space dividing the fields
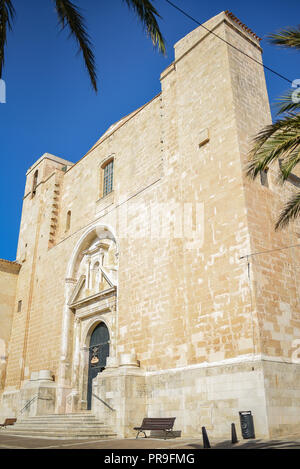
x=247 y=426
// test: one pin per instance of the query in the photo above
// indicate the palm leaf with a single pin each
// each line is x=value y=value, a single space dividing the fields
x=70 y=15
x=288 y=163
x=7 y=13
x=286 y=37
x=147 y=13
x=289 y=212
x=275 y=141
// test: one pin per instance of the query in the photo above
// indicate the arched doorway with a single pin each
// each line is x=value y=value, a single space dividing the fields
x=98 y=352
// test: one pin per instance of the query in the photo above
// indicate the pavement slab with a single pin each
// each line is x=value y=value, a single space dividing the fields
x=25 y=442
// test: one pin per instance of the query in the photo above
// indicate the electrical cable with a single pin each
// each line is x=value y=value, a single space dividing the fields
x=227 y=42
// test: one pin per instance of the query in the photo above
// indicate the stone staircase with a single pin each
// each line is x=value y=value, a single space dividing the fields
x=66 y=426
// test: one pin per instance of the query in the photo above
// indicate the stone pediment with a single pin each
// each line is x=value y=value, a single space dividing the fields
x=77 y=292
x=110 y=276
x=82 y=295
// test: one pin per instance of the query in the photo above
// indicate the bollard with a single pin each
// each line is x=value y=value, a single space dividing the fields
x=206 y=443
x=233 y=434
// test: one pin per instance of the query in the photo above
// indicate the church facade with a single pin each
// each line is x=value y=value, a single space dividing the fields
x=149 y=280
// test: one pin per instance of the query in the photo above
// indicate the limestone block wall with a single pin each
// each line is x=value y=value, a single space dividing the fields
x=37 y=331
x=282 y=384
x=197 y=303
x=275 y=285
x=135 y=146
x=210 y=396
x=31 y=331
x=8 y=305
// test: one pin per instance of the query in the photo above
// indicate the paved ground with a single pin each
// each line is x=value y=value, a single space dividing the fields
x=8 y=441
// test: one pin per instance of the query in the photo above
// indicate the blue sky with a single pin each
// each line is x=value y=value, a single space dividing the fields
x=51 y=106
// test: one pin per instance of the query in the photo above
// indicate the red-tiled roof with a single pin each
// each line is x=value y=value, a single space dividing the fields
x=242 y=25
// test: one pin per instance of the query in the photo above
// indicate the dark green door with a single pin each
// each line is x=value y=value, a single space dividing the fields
x=98 y=352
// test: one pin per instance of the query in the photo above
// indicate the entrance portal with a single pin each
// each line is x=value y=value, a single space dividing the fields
x=98 y=352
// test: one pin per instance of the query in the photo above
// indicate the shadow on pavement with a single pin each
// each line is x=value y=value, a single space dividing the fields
x=253 y=444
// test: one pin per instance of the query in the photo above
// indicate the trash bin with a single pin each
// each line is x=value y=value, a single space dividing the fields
x=247 y=426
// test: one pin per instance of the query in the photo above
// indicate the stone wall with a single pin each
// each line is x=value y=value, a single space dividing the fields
x=8 y=306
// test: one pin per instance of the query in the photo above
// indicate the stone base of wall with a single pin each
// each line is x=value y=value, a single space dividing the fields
x=210 y=396
x=197 y=396
x=119 y=398
x=37 y=396
x=282 y=384
x=10 y=404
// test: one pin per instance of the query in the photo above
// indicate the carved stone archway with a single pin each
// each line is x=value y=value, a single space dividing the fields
x=91 y=298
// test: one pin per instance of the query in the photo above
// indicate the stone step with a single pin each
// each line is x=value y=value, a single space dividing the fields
x=59 y=423
x=59 y=430
x=55 y=426
x=57 y=416
x=80 y=425
x=66 y=436
x=75 y=419
x=77 y=414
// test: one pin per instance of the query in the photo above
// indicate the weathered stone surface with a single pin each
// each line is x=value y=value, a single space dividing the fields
x=180 y=261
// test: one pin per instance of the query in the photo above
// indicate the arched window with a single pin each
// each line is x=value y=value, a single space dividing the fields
x=34 y=183
x=68 y=221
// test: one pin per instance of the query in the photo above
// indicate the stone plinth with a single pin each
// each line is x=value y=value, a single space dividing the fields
x=119 y=397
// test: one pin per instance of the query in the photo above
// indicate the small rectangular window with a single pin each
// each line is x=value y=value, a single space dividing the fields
x=34 y=184
x=108 y=178
x=68 y=220
x=19 y=306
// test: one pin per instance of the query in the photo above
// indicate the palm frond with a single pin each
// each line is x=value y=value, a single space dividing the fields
x=286 y=37
x=289 y=212
x=147 y=15
x=288 y=164
x=7 y=14
x=273 y=142
x=69 y=14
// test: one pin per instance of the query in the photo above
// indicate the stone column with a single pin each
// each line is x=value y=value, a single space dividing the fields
x=64 y=373
x=88 y=273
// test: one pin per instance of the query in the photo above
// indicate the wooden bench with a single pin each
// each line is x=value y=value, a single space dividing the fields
x=165 y=424
x=8 y=422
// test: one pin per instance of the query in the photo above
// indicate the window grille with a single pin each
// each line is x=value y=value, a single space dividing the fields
x=108 y=178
